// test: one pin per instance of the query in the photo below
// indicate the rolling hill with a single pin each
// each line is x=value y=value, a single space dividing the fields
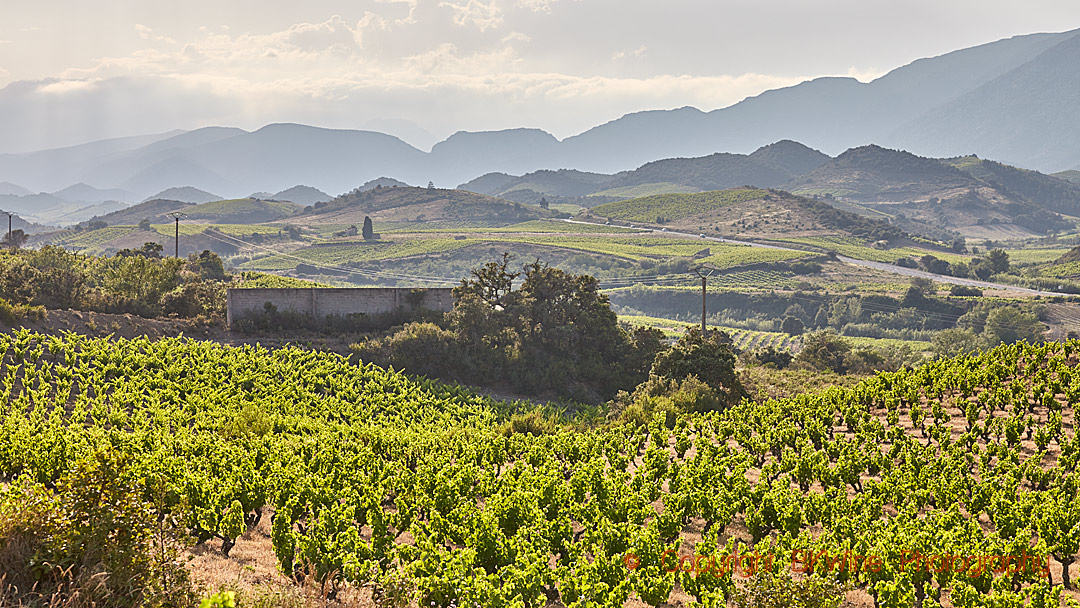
x=153 y=210
x=241 y=211
x=1071 y=175
x=768 y=166
x=419 y=205
x=751 y=213
x=302 y=195
x=10 y=189
x=186 y=194
x=967 y=195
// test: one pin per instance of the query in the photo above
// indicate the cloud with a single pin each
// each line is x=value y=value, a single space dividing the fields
x=146 y=33
x=483 y=15
x=516 y=37
x=638 y=53
x=537 y=6
x=65 y=87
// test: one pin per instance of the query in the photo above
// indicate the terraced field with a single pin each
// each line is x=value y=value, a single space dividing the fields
x=854 y=248
x=743 y=339
x=92 y=238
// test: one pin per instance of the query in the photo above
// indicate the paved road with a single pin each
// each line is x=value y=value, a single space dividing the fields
x=899 y=270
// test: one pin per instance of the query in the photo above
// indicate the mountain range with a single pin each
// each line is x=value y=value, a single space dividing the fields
x=1013 y=100
x=941 y=198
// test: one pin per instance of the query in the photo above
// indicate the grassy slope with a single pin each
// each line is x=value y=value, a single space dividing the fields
x=675 y=206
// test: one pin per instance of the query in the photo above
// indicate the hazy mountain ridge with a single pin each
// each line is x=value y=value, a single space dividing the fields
x=302 y=195
x=1011 y=100
x=186 y=194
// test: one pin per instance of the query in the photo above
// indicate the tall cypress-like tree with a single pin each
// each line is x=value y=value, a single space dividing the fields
x=368 y=232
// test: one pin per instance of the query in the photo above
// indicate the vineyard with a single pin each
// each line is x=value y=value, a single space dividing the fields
x=854 y=248
x=743 y=339
x=672 y=207
x=367 y=473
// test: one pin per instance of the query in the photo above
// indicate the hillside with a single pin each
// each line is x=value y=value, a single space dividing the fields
x=1071 y=175
x=186 y=194
x=154 y=210
x=967 y=195
x=84 y=193
x=301 y=195
x=748 y=213
x=769 y=166
x=10 y=189
x=1049 y=191
x=241 y=211
x=419 y=205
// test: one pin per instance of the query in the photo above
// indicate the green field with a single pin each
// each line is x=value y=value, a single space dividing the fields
x=1036 y=256
x=359 y=251
x=854 y=248
x=643 y=190
x=93 y=238
x=240 y=230
x=254 y=280
x=673 y=207
x=242 y=209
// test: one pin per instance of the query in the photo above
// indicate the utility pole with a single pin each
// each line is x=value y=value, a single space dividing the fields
x=176 y=215
x=700 y=271
x=8 y=214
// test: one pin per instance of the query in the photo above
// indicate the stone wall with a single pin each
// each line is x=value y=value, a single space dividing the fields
x=322 y=301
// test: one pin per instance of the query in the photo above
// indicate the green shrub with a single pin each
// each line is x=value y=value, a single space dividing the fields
x=93 y=540
x=10 y=314
x=533 y=423
x=709 y=360
x=767 y=590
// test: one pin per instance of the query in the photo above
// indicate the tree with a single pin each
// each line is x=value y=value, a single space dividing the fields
x=15 y=239
x=148 y=250
x=144 y=224
x=792 y=326
x=999 y=260
x=952 y=342
x=924 y=285
x=555 y=333
x=710 y=360
x=1009 y=324
x=543 y=203
x=824 y=350
x=431 y=185
x=492 y=283
x=208 y=265
x=368 y=230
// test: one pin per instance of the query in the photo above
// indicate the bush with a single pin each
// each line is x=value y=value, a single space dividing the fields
x=533 y=423
x=93 y=540
x=771 y=356
x=824 y=350
x=964 y=290
x=710 y=360
x=195 y=299
x=10 y=314
x=768 y=590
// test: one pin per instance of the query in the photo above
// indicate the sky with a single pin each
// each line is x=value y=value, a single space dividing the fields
x=73 y=71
